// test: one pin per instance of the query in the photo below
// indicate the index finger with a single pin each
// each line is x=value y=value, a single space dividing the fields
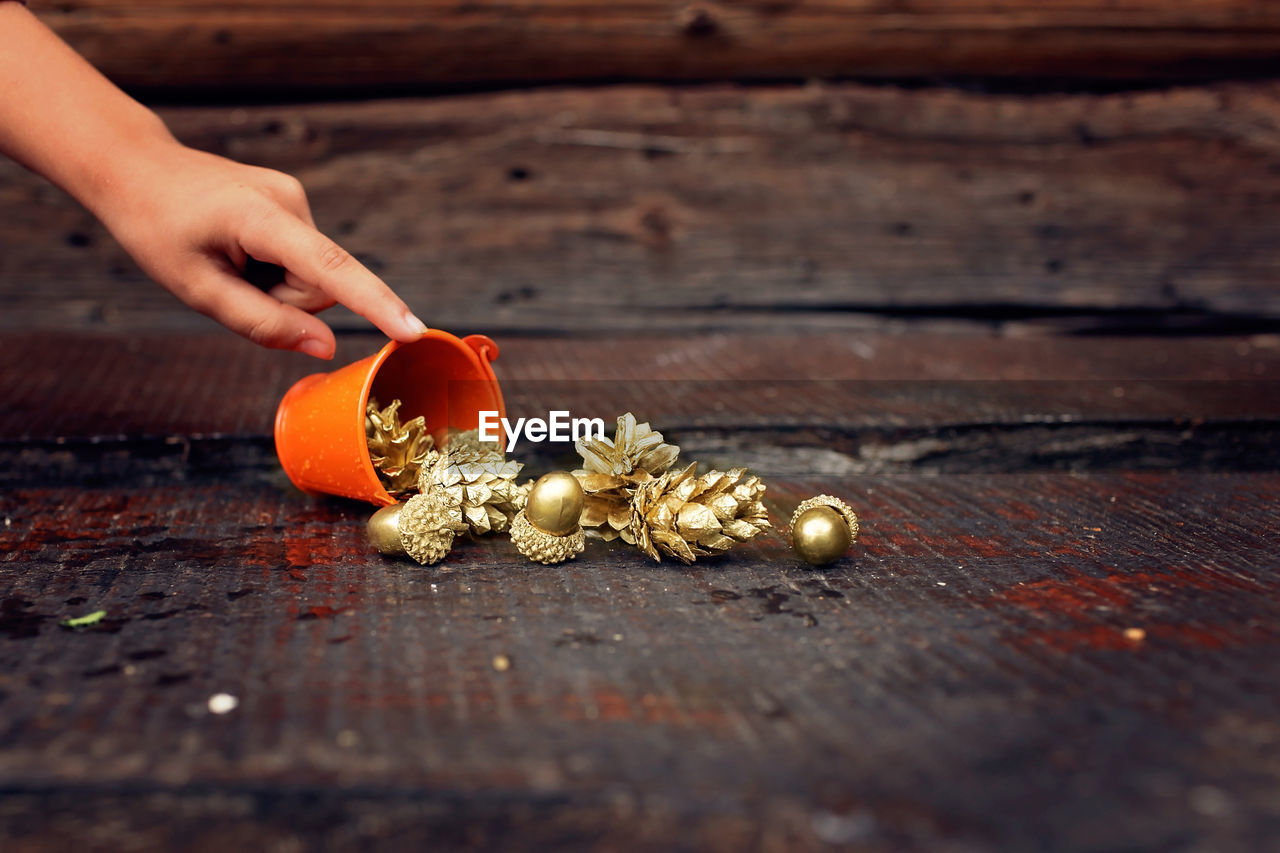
x=285 y=240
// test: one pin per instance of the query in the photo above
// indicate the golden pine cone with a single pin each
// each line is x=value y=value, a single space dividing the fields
x=613 y=470
x=521 y=494
x=479 y=481
x=543 y=547
x=428 y=523
x=397 y=450
x=835 y=503
x=687 y=516
x=606 y=507
x=458 y=439
x=633 y=446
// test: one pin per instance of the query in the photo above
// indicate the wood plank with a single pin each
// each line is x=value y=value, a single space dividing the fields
x=216 y=44
x=97 y=387
x=787 y=208
x=167 y=409
x=1037 y=662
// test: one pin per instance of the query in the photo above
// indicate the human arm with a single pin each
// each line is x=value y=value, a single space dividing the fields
x=189 y=218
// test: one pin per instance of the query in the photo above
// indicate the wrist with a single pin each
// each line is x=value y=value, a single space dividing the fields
x=132 y=143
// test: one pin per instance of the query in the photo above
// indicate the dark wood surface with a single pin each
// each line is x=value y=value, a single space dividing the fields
x=821 y=208
x=963 y=681
x=216 y=44
x=1075 y=650
x=161 y=405
x=1058 y=631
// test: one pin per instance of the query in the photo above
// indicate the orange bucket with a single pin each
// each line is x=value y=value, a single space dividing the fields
x=320 y=436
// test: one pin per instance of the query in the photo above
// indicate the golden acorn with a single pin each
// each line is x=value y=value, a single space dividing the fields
x=428 y=524
x=397 y=450
x=554 y=504
x=547 y=529
x=480 y=482
x=820 y=535
x=613 y=470
x=822 y=529
x=846 y=512
x=542 y=547
x=383 y=530
x=687 y=516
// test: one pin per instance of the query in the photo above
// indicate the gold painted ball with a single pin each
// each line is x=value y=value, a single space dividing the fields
x=555 y=503
x=383 y=529
x=820 y=536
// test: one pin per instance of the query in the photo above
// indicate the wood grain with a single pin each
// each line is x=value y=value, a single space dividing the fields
x=1016 y=641
x=817 y=207
x=215 y=44
x=974 y=659
x=166 y=409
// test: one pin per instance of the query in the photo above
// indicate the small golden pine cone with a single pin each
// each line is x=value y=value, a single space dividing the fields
x=481 y=483
x=543 y=547
x=428 y=523
x=835 y=503
x=520 y=495
x=398 y=451
x=686 y=516
x=469 y=439
x=606 y=508
x=633 y=446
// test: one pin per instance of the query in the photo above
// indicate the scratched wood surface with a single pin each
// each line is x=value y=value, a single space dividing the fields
x=1014 y=656
x=1058 y=631
x=217 y=44
x=799 y=208
x=1037 y=661
x=158 y=406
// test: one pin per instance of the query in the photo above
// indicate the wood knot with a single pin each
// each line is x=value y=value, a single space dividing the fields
x=655 y=222
x=656 y=226
x=698 y=20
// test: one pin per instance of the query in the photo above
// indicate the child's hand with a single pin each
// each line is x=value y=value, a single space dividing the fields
x=192 y=219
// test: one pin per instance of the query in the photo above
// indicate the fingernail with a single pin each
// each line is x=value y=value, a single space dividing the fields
x=313 y=347
x=414 y=325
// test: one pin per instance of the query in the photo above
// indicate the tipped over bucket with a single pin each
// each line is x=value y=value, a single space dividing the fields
x=320 y=433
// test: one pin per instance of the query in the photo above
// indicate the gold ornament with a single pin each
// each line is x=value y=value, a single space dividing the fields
x=613 y=470
x=397 y=450
x=543 y=547
x=554 y=504
x=820 y=536
x=687 y=516
x=383 y=529
x=479 y=481
x=547 y=529
x=521 y=493
x=428 y=524
x=846 y=511
x=634 y=445
x=822 y=529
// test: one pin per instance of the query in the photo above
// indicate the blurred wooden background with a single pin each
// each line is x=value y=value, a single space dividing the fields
x=1096 y=166
x=317 y=46
x=1058 y=629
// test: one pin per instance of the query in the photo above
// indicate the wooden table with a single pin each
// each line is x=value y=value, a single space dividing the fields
x=1029 y=329
x=1058 y=630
